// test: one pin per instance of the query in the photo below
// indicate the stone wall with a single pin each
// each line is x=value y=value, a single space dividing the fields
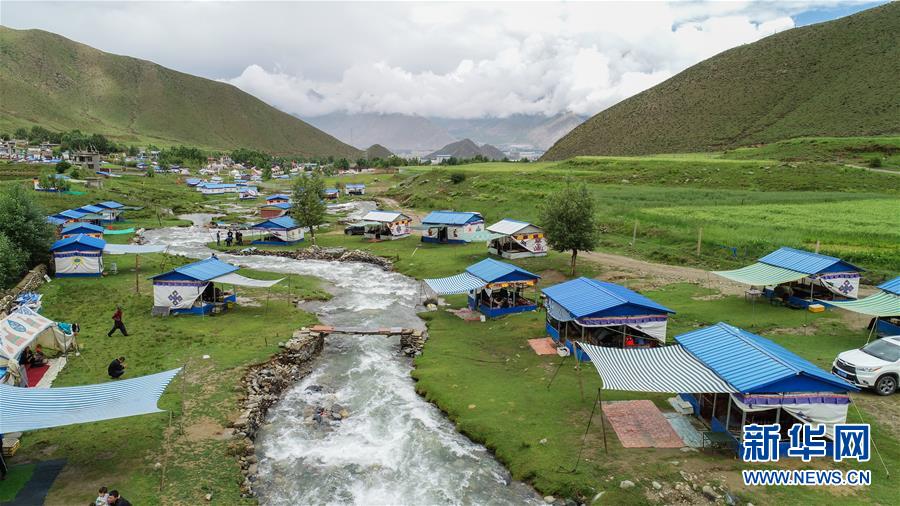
x=263 y=385
x=29 y=283
x=332 y=254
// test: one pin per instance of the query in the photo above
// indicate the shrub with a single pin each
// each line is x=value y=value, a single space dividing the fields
x=457 y=177
x=875 y=161
x=62 y=166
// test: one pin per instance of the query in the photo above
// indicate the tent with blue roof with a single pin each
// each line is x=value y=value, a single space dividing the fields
x=78 y=256
x=603 y=314
x=191 y=288
x=730 y=378
x=112 y=210
x=883 y=306
x=494 y=288
x=278 y=197
x=90 y=209
x=274 y=210
x=331 y=194
x=451 y=226
x=797 y=277
x=278 y=231
x=77 y=228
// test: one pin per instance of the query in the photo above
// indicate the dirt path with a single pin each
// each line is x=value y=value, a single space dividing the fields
x=873 y=169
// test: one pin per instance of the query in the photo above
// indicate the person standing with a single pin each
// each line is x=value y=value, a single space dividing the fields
x=228 y=238
x=116 y=369
x=218 y=238
x=117 y=323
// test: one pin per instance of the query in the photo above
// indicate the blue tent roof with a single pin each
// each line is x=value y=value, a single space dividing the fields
x=192 y=181
x=217 y=186
x=332 y=190
x=891 y=286
x=80 y=239
x=53 y=220
x=278 y=196
x=806 y=262
x=754 y=364
x=283 y=223
x=493 y=271
x=71 y=214
x=90 y=209
x=84 y=228
x=585 y=297
x=110 y=204
x=354 y=185
x=451 y=218
x=204 y=270
x=279 y=205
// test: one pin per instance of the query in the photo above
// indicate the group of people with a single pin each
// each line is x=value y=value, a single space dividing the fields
x=109 y=498
x=34 y=358
x=235 y=237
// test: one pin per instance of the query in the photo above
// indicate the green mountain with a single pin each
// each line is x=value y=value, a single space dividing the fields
x=48 y=80
x=831 y=79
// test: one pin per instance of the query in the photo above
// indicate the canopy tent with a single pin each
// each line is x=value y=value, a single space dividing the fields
x=189 y=288
x=503 y=289
x=453 y=285
x=668 y=369
x=880 y=305
x=24 y=327
x=891 y=286
x=453 y=227
x=516 y=239
x=355 y=188
x=787 y=265
x=599 y=312
x=133 y=249
x=24 y=409
x=282 y=230
x=380 y=225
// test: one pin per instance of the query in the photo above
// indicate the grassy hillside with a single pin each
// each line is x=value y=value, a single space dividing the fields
x=48 y=80
x=831 y=79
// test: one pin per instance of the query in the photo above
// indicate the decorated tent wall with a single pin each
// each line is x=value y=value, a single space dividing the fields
x=24 y=327
x=518 y=239
x=451 y=227
x=78 y=256
x=386 y=225
x=281 y=230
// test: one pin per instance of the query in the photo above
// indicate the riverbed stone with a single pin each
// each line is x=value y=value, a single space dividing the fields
x=549 y=499
x=626 y=484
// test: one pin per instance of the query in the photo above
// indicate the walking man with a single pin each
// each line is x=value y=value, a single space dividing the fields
x=117 y=323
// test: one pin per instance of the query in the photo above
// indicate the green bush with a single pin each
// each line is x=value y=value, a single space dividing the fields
x=457 y=177
x=875 y=161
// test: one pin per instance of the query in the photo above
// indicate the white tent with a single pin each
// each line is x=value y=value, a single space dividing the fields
x=25 y=327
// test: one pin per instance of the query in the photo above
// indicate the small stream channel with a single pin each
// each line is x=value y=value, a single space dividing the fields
x=394 y=447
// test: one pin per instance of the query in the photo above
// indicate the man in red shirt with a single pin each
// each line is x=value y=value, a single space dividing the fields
x=117 y=322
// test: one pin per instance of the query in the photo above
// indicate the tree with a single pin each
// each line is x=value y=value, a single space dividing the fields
x=62 y=166
x=307 y=208
x=12 y=262
x=132 y=150
x=267 y=172
x=568 y=220
x=21 y=133
x=24 y=223
x=361 y=164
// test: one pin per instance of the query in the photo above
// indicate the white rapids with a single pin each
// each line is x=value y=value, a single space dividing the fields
x=394 y=447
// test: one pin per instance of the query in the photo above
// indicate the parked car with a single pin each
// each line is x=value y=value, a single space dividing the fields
x=355 y=229
x=875 y=365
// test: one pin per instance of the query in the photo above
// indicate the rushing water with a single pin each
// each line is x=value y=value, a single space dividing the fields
x=394 y=447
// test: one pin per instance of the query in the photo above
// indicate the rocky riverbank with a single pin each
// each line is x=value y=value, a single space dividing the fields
x=263 y=385
x=328 y=254
x=31 y=282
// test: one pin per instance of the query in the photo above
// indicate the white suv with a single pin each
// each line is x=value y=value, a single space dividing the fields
x=875 y=365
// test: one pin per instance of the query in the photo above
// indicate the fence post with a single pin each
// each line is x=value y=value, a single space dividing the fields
x=699 y=239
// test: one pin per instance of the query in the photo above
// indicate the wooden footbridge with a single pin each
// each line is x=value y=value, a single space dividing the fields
x=385 y=331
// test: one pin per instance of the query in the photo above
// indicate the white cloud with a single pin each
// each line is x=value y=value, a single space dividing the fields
x=447 y=59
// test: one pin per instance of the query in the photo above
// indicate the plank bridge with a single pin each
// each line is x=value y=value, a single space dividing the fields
x=383 y=331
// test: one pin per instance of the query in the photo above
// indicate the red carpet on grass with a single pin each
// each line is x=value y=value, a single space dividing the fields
x=36 y=373
x=543 y=346
x=640 y=424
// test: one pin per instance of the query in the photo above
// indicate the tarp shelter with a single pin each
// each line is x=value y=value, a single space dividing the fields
x=25 y=409
x=355 y=189
x=495 y=288
x=731 y=378
x=133 y=249
x=191 y=288
x=451 y=226
x=278 y=231
x=604 y=314
x=884 y=306
x=77 y=228
x=331 y=194
x=112 y=210
x=798 y=276
x=24 y=327
x=380 y=225
x=193 y=181
x=518 y=239
x=78 y=256
x=274 y=210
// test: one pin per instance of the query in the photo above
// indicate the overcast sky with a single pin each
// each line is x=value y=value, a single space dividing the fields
x=459 y=60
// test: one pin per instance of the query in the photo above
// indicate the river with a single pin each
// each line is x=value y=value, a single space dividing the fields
x=394 y=447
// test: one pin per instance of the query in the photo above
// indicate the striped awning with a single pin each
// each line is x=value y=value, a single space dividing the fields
x=881 y=304
x=667 y=369
x=24 y=409
x=760 y=274
x=461 y=283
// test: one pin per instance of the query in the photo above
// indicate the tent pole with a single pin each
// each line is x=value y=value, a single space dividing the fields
x=602 y=422
x=137 y=269
x=872 y=330
x=578 y=368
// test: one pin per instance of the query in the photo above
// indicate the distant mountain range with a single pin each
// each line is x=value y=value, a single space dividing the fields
x=466 y=148
x=830 y=79
x=54 y=82
x=402 y=132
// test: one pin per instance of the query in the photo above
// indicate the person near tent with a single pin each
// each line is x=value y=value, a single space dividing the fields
x=116 y=368
x=38 y=359
x=239 y=238
x=117 y=323
x=228 y=238
x=3 y=469
x=218 y=238
x=114 y=499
